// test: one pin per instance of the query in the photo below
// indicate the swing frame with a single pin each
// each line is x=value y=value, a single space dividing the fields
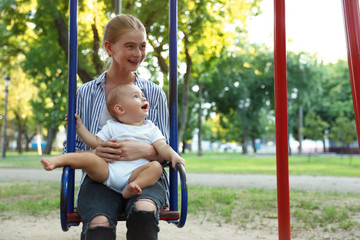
x=68 y=213
x=352 y=28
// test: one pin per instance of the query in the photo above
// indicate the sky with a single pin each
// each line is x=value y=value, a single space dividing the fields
x=315 y=26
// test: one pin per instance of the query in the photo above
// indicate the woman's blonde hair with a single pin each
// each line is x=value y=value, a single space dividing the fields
x=119 y=25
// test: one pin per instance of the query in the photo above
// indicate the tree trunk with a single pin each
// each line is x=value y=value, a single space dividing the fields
x=28 y=141
x=52 y=131
x=200 y=152
x=245 y=139
x=63 y=42
x=289 y=147
x=185 y=92
x=300 y=126
x=183 y=147
x=26 y=135
x=253 y=143
x=245 y=130
x=324 y=146
x=19 y=131
x=19 y=139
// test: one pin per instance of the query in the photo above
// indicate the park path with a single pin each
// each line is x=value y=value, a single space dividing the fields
x=307 y=183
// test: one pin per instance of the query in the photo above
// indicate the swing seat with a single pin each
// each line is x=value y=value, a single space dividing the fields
x=165 y=215
x=70 y=217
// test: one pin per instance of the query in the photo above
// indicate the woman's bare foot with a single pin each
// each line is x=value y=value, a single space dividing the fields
x=131 y=190
x=48 y=163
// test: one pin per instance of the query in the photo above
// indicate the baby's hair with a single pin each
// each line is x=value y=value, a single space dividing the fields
x=119 y=25
x=113 y=97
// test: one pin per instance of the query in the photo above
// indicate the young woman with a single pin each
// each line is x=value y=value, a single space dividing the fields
x=99 y=207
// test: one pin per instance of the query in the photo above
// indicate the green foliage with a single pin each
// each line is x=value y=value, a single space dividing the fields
x=343 y=131
x=35 y=38
x=303 y=84
x=333 y=100
x=315 y=127
x=241 y=91
x=336 y=95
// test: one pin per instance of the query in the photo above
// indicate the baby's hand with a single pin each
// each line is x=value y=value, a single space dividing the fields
x=177 y=160
x=79 y=123
x=76 y=117
x=66 y=119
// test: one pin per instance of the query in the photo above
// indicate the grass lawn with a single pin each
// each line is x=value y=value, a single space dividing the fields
x=245 y=208
x=236 y=163
x=298 y=165
x=25 y=160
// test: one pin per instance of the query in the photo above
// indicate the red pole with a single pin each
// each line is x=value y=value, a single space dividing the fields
x=281 y=122
x=352 y=27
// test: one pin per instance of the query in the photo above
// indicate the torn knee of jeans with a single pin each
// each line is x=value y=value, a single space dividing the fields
x=105 y=222
x=135 y=209
x=143 y=215
x=147 y=208
x=99 y=232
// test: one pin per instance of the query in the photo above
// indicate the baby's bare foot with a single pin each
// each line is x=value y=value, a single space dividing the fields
x=131 y=190
x=48 y=164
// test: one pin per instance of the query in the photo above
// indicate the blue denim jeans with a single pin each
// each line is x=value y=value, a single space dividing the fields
x=96 y=199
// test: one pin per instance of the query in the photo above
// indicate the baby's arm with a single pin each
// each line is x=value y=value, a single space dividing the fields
x=166 y=152
x=87 y=137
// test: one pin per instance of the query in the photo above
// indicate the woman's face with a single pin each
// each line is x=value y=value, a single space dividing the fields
x=128 y=51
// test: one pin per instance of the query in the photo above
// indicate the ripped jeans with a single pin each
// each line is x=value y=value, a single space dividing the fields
x=96 y=199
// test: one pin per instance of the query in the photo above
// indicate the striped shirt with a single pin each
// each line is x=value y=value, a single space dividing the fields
x=90 y=101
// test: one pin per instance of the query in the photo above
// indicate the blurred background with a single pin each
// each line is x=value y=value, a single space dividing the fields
x=225 y=71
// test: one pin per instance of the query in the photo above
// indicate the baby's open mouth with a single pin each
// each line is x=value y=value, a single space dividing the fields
x=145 y=106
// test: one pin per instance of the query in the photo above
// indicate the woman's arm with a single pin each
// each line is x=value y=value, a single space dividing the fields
x=108 y=150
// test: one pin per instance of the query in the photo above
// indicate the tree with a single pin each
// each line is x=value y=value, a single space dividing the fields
x=35 y=34
x=241 y=90
x=304 y=77
x=342 y=131
x=315 y=128
x=20 y=108
x=333 y=98
x=38 y=30
x=204 y=29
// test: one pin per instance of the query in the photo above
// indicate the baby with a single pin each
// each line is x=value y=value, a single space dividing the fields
x=128 y=106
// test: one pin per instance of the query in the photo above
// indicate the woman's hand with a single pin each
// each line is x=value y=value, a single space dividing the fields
x=126 y=150
x=133 y=150
x=110 y=150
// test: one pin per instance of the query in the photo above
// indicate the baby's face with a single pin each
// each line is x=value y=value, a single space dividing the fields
x=134 y=103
